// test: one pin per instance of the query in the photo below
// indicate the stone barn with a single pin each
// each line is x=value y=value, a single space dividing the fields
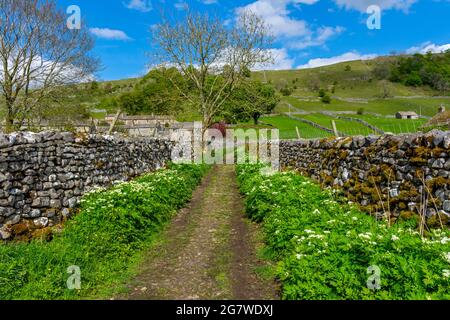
x=407 y=115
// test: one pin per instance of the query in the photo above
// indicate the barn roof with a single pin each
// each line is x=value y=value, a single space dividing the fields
x=407 y=113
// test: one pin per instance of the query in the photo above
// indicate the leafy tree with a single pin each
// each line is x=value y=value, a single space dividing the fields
x=131 y=102
x=430 y=69
x=286 y=91
x=326 y=99
x=94 y=86
x=251 y=100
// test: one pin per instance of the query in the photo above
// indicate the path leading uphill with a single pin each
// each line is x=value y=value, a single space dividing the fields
x=208 y=252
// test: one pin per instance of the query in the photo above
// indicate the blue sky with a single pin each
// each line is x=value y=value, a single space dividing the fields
x=309 y=33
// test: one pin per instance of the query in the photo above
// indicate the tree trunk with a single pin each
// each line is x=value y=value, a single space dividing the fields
x=9 y=119
x=256 y=118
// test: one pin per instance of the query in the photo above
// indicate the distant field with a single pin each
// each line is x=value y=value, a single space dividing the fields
x=393 y=125
x=287 y=128
x=424 y=106
x=343 y=126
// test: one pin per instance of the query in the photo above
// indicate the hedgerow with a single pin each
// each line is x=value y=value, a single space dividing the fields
x=327 y=249
x=104 y=240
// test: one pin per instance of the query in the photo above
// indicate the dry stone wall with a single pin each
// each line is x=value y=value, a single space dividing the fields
x=396 y=174
x=44 y=175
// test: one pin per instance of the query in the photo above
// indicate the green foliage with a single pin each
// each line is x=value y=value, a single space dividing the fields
x=417 y=70
x=250 y=100
x=326 y=99
x=286 y=91
x=348 y=68
x=324 y=246
x=322 y=93
x=104 y=240
x=360 y=111
x=156 y=93
x=94 y=86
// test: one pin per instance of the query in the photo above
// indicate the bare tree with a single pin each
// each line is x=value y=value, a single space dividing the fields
x=39 y=55
x=213 y=58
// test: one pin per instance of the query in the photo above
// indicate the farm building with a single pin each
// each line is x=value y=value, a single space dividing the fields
x=406 y=115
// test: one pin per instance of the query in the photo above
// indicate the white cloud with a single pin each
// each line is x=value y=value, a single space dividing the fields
x=209 y=1
x=428 y=47
x=110 y=34
x=362 y=5
x=349 y=56
x=320 y=37
x=140 y=5
x=297 y=32
x=276 y=14
x=282 y=61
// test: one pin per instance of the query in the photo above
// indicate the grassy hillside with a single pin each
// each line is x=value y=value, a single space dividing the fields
x=351 y=86
x=353 y=82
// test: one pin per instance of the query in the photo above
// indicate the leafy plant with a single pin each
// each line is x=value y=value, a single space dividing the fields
x=104 y=240
x=324 y=245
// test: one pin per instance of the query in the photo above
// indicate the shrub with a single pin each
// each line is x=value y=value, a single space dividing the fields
x=326 y=99
x=413 y=80
x=324 y=246
x=361 y=111
x=286 y=91
x=322 y=93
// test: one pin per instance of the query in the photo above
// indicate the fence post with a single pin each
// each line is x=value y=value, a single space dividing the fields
x=298 y=133
x=333 y=123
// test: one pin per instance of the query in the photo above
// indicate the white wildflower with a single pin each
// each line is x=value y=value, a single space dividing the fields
x=394 y=238
x=447 y=256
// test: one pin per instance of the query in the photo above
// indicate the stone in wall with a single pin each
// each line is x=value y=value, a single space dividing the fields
x=395 y=174
x=44 y=175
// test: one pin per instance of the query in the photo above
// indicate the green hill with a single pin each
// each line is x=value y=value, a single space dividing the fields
x=352 y=79
x=353 y=87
